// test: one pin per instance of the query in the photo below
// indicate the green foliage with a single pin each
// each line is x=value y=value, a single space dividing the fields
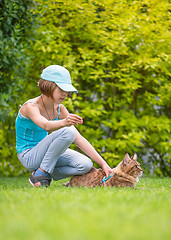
x=118 y=57
x=16 y=19
x=16 y=22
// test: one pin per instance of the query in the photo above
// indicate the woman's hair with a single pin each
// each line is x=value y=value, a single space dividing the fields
x=47 y=87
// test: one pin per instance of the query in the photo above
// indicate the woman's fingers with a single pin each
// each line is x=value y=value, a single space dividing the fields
x=73 y=119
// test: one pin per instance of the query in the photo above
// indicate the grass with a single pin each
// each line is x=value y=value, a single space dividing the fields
x=78 y=213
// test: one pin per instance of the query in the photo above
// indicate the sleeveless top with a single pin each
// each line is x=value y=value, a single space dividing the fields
x=28 y=134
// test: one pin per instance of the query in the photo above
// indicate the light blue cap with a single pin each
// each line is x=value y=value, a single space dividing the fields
x=60 y=76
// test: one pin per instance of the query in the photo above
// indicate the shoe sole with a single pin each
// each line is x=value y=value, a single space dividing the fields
x=31 y=183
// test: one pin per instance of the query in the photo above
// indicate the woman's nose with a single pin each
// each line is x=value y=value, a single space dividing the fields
x=64 y=93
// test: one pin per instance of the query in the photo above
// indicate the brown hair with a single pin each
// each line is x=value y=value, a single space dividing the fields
x=47 y=87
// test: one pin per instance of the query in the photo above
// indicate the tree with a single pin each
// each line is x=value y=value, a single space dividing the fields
x=16 y=24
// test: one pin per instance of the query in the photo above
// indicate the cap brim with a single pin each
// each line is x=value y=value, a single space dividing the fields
x=67 y=87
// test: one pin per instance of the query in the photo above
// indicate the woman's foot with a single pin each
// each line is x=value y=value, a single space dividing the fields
x=40 y=181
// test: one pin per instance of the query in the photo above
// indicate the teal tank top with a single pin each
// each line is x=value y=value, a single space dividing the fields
x=28 y=134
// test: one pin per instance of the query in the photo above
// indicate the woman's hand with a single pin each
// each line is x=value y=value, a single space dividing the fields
x=107 y=170
x=73 y=119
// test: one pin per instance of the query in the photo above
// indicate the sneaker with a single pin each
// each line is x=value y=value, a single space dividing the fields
x=39 y=181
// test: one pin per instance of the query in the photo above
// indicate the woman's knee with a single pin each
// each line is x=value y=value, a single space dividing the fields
x=66 y=133
x=69 y=133
x=85 y=166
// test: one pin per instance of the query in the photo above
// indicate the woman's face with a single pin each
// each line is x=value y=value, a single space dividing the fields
x=59 y=95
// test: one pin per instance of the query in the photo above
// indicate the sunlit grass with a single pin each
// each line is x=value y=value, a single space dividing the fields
x=78 y=213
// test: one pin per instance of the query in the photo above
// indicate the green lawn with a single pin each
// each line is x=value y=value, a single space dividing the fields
x=77 y=213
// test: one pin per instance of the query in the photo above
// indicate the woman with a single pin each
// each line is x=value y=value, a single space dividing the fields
x=48 y=156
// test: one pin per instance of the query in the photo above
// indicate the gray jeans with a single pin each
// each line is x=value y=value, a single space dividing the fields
x=53 y=155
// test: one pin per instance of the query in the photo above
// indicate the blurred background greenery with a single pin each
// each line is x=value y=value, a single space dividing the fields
x=118 y=54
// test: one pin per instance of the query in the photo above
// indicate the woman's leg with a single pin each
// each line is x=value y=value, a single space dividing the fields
x=71 y=163
x=46 y=153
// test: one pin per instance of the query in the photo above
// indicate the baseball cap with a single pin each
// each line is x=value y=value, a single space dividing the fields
x=60 y=76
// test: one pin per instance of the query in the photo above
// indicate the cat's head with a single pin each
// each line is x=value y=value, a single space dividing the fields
x=131 y=166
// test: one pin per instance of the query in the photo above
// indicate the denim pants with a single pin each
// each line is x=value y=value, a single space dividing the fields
x=53 y=155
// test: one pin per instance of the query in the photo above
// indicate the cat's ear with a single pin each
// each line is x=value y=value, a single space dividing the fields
x=126 y=159
x=134 y=157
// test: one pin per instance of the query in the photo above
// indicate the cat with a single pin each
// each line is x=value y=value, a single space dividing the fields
x=127 y=173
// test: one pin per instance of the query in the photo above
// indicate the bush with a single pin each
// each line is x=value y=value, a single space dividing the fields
x=118 y=56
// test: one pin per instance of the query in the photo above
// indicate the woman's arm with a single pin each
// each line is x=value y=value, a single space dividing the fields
x=49 y=125
x=88 y=149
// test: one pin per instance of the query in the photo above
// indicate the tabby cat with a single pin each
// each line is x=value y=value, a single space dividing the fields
x=127 y=173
